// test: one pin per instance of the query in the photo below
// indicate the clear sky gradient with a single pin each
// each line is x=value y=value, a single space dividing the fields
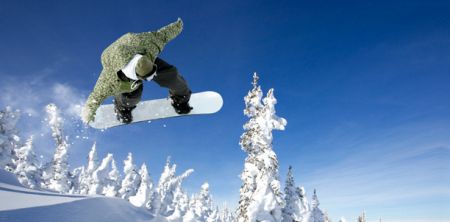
x=365 y=89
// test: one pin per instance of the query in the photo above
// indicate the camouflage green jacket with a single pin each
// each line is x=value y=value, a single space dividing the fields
x=118 y=54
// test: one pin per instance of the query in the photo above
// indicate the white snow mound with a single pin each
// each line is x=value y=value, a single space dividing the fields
x=22 y=204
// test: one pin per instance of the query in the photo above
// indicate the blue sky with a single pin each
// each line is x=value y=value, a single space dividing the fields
x=364 y=88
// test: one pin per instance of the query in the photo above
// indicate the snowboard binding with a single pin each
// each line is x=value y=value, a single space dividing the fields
x=123 y=114
x=181 y=104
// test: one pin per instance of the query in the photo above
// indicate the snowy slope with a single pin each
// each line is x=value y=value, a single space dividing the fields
x=8 y=178
x=21 y=204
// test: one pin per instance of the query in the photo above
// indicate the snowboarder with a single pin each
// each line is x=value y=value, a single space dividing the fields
x=129 y=61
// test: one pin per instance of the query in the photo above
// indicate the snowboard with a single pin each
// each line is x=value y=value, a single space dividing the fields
x=207 y=102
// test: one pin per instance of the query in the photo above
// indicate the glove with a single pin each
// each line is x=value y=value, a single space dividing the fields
x=87 y=115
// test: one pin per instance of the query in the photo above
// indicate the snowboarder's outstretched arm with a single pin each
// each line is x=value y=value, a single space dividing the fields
x=169 y=32
x=150 y=43
x=102 y=90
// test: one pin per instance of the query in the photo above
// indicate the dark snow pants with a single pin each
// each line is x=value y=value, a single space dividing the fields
x=166 y=76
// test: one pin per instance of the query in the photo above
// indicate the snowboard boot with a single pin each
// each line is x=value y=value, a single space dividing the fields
x=181 y=104
x=123 y=114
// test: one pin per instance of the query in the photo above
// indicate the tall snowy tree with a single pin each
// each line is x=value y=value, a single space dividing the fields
x=292 y=209
x=85 y=178
x=75 y=178
x=260 y=195
x=100 y=175
x=28 y=167
x=131 y=180
x=362 y=217
x=342 y=220
x=190 y=216
x=155 y=203
x=314 y=200
x=9 y=138
x=168 y=186
x=181 y=201
x=96 y=178
x=92 y=159
x=111 y=189
x=145 y=190
x=167 y=175
x=202 y=204
x=303 y=200
x=226 y=215
x=213 y=216
x=168 y=196
x=326 y=217
x=316 y=214
x=59 y=168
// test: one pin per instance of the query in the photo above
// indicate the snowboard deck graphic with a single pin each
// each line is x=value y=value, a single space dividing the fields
x=207 y=102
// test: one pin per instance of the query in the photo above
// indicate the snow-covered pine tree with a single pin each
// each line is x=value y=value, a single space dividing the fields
x=167 y=188
x=260 y=195
x=202 y=203
x=95 y=179
x=165 y=196
x=112 y=188
x=226 y=215
x=28 y=166
x=155 y=202
x=168 y=197
x=292 y=209
x=316 y=214
x=85 y=178
x=92 y=159
x=314 y=200
x=131 y=181
x=9 y=138
x=145 y=190
x=342 y=219
x=181 y=201
x=214 y=215
x=304 y=203
x=190 y=216
x=59 y=167
x=100 y=176
x=75 y=178
x=326 y=217
x=362 y=217
x=167 y=175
